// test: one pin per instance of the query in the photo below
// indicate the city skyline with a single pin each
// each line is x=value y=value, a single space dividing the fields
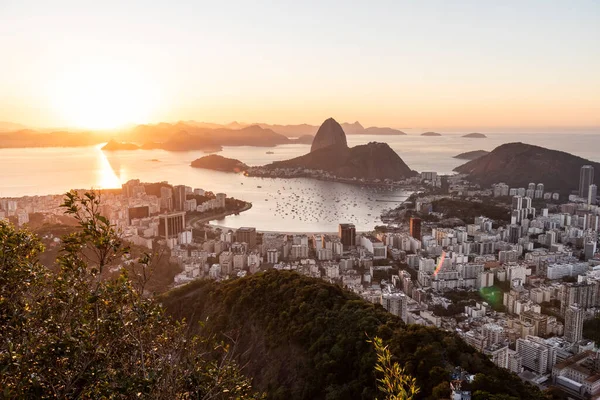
x=510 y=66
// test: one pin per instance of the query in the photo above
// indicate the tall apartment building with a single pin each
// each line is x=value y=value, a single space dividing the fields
x=166 y=198
x=534 y=356
x=247 y=235
x=179 y=197
x=592 y=194
x=586 y=178
x=574 y=323
x=347 y=234
x=415 y=228
x=396 y=303
x=583 y=294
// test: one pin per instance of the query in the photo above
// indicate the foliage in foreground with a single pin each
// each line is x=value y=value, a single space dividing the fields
x=74 y=335
x=394 y=382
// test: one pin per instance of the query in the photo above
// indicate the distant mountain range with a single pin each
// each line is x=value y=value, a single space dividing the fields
x=180 y=136
x=350 y=129
x=518 y=164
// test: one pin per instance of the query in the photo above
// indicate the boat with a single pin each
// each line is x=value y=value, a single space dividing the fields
x=270 y=152
x=260 y=187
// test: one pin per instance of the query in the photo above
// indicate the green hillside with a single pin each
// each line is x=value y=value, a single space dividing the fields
x=302 y=338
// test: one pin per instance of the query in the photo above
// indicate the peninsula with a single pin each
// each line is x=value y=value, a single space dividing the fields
x=331 y=156
x=518 y=164
x=471 y=155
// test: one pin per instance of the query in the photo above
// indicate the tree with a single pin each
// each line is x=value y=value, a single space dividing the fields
x=76 y=334
x=395 y=383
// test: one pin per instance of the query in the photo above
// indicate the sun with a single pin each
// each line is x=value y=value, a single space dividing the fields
x=103 y=96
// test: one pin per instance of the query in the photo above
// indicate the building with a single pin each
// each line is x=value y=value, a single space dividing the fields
x=374 y=246
x=498 y=354
x=537 y=320
x=517 y=202
x=493 y=333
x=514 y=233
x=586 y=178
x=500 y=189
x=171 y=225
x=179 y=197
x=534 y=356
x=220 y=197
x=347 y=234
x=272 y=256
x=589 y=249
x=396 y=303
x=247 y=235
x=166 y=198
x=574 y=316
x=226 y=262
x=592 y=194
x=579 y=374
x=138 y=212
x=582 y=293
x=415 y=228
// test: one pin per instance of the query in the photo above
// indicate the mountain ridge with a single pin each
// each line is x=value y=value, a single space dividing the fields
x=518 y=164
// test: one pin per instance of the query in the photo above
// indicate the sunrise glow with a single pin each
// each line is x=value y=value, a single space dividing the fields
x=103 y=96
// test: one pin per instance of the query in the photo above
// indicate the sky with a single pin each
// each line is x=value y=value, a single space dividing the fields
x=490 y=65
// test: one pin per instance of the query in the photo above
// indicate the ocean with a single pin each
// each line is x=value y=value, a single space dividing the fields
x=289 y=205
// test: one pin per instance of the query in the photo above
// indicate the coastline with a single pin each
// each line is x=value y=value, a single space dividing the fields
x=201 y=221
x=223 y=227
x=349 y=181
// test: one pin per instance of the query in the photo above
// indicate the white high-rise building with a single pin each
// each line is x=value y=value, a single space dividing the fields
x=534 y=356
x=592 y=194
x=586 y=178
x=396 y=303
x=574 y=323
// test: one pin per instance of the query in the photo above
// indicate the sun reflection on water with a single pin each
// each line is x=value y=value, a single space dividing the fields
x=106 y=178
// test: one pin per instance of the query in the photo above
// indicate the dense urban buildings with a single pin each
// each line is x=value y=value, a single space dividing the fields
x=535 y=274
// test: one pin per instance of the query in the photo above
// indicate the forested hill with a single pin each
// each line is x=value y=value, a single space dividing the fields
x=302 y=338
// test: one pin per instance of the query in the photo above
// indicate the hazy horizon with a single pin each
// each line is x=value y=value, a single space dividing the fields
x=408 y=130
x=468 y=66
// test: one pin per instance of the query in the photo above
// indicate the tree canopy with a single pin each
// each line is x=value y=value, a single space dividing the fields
x=71 y=334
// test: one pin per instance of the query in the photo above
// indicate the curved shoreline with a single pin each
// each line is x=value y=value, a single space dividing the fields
x=201 y=221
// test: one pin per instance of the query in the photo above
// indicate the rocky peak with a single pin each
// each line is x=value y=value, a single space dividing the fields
x=330 y=134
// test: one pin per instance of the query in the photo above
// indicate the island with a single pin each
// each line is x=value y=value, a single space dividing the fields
x=431 y=134
x=471 y=155
x=373 y=130
x=475 y=135
x=219 y=163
